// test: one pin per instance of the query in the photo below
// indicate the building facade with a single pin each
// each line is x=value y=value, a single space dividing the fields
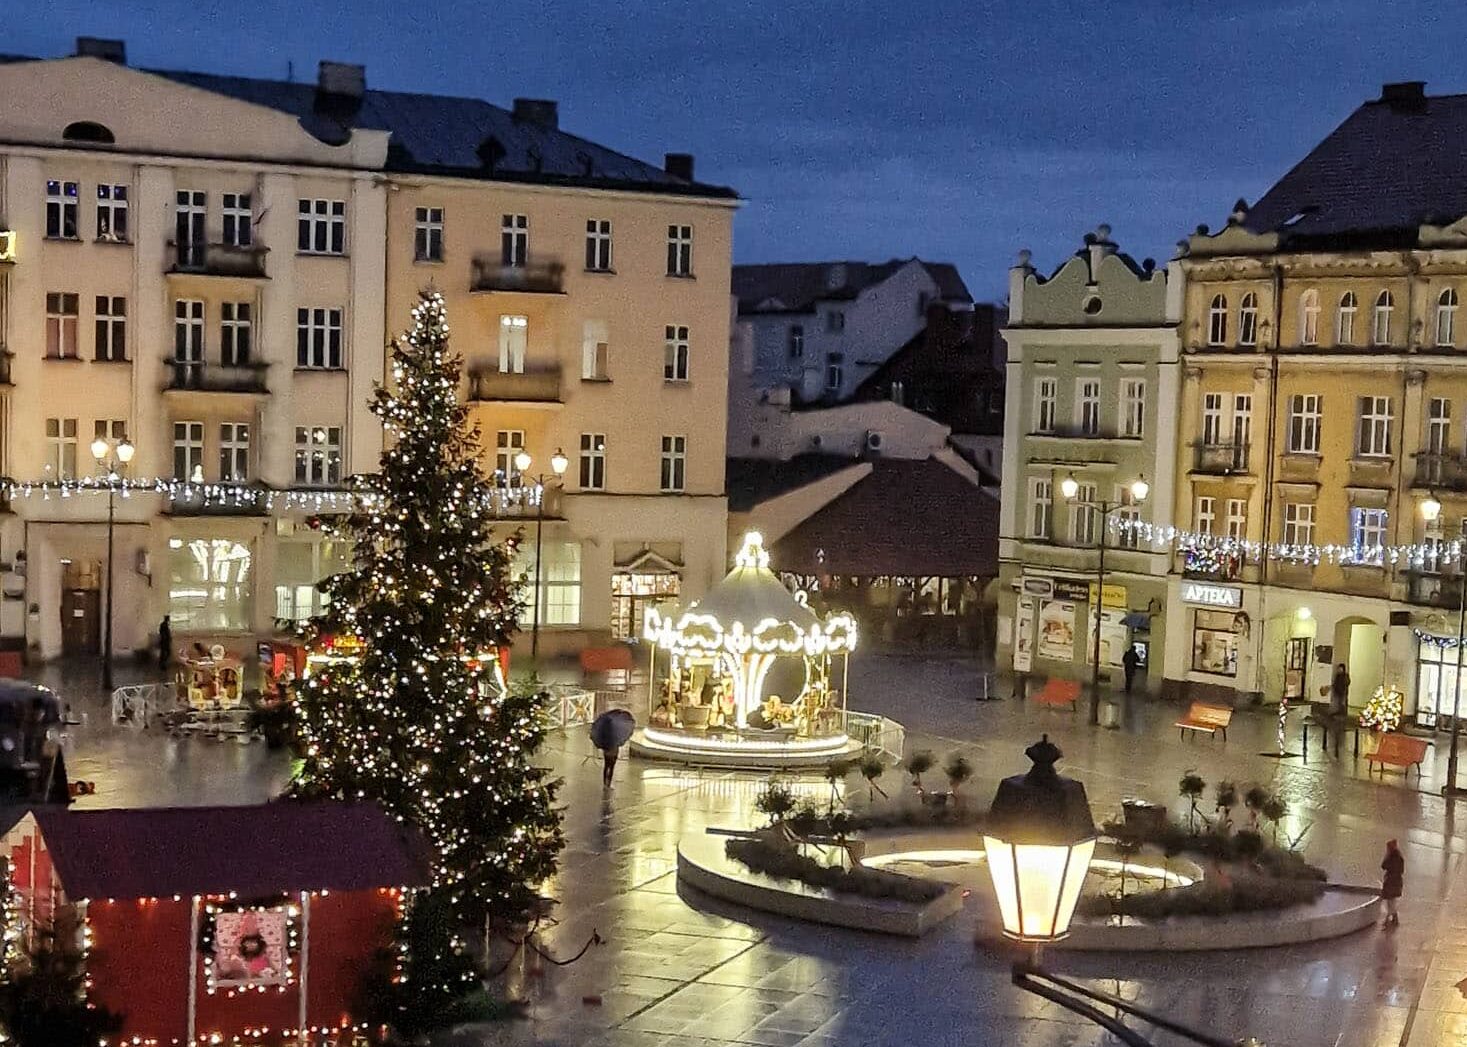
x=1091 y=394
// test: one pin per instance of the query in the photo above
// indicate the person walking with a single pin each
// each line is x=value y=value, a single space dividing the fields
x=608 y=759
x=1339 y=691
x=1130 y=662
x=1394 y=868
x=165 y=643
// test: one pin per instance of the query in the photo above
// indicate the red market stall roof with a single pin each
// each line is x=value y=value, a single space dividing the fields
x=908 y=518
x=265 y=849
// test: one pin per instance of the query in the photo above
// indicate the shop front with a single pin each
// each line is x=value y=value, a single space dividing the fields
x=1216 y=630
x=1437 y=680
x=1053 y=632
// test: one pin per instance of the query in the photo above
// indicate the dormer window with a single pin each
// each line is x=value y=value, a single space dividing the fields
x=1217 y=320
x=89 y=131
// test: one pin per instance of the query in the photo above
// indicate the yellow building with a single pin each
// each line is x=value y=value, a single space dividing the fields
x=1323 y=397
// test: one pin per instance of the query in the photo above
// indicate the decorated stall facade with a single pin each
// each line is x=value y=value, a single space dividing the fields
x=222 y=925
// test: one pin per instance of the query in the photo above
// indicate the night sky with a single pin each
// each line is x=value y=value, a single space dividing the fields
x=956 y=130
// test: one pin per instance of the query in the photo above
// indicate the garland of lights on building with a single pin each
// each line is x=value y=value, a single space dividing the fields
x=1206 y=552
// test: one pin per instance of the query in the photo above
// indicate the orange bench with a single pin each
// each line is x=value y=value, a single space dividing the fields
x=1208 y=718
x=1058 y=692
x=1398 y=750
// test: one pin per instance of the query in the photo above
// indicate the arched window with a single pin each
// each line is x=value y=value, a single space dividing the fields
x=1217 y=320
x=1380 y=327
x=1345 y=319
x=1446 y=317
x=1309 y=318
x=1248 y=320
x=88 y=131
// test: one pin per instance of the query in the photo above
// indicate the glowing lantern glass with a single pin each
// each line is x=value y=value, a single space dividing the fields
x=1039 y=840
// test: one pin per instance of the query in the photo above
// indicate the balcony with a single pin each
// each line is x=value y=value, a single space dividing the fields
x=250 y=502
x=1443 y=470
x=1430 y=589
x=202 y=377
x=529 y=387
x=218 y=260
x=513 y=501
x=536 y=278
x=1220 y=459
x=1077 y=432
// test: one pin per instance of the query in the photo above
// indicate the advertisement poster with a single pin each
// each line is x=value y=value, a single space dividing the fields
x=1113 y=638
x=1057 y=630
x=250 y=948
x=1024 y=636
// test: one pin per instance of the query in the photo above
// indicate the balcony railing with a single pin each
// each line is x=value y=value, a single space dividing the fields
x=216 y=378
x=219 y=260
x=539 y=386
x=1222 y=459
x=536 y=278
x=247 y=502
x=513 y=501
x=1074 y=431
x=1431 y=589
x=1443 y=469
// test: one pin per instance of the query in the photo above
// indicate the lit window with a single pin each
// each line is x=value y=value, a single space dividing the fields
x=209 y=588
x=514 y=340
x=318 y=455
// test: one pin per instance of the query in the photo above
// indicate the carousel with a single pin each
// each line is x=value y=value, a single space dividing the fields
x=751 y=676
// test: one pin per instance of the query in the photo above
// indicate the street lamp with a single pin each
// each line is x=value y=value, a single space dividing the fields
x=558 y=465
x=112 y=457
x=1431 y=511
x=1070 y=488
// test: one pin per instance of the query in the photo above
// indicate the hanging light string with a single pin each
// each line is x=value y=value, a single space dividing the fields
x=1203 y=550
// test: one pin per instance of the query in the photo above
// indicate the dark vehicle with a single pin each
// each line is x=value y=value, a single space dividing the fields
x=32 y=769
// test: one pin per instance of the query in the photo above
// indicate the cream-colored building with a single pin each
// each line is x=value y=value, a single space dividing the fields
x=211 y=266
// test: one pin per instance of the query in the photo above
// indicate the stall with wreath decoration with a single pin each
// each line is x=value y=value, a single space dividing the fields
x=221 y=925
x=712 y=704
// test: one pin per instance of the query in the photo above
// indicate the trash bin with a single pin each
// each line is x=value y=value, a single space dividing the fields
x=1110 y=715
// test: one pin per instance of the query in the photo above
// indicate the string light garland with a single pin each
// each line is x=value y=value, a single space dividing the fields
x=1219 y=550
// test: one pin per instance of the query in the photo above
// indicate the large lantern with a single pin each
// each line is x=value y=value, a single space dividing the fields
x=1039 y=840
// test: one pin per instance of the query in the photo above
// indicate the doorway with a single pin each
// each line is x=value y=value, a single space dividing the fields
x=81 y=607
x=1296 y=668
x=1360 y=646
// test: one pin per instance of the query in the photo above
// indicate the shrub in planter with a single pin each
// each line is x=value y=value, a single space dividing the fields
x=918 y=764
x=782 y=861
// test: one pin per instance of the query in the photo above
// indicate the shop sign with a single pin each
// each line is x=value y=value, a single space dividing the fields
x=1207 y=595
x=1071 y=589
x=1032 y=586
x=1112 y=595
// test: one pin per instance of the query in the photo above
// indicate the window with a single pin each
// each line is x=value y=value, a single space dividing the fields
x=1212 y=420
x=1374 y=438
x=299 y=565
x=60 y=448
x=507 y=444
x=318 y=455
x=113 y=429
x=1084 y=520
x=1206 y=514
x=1305 y=419
x=234 y=452
x=62 y=199
x=112 y=213
x=1041 y=506
x=1215 y=642
x=209 y=585
x=1309 y=318
x=796 y=341
x=1217 y=320
x=835 y=320
x=679 y=250
x=559 y=598
x=1248 y=320
x=514 y=241
x=190 y=208
x=675 y=354
x=1237 y=518
x=1345 y=319
x=188 y=451
x=111 y=328
x=835 y=371
x=1087 y=406
x=238 y=220
x=593 y=461
x=1380 y=333
x=1128 y=515
x=1368 y=530
x=61 y=326
x=1438 y=425
x=598 y=245
x=1446 y=317
x=514 y=339
x=1133 y=407
x=320 y=227
x=235 y=334
x=1046 y=404
x=428 y=234
x=188 y=331
x=595 y=351
x=674 y=463
x=1298 y=523
x=1242 y=428
x=318 y=338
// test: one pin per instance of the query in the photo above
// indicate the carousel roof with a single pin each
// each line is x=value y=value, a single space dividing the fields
x=751 y=593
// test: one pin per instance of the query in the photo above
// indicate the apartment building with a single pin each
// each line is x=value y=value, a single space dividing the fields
x=1092 y=391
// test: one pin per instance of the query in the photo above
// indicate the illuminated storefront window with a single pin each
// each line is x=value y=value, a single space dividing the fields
x=209 y=583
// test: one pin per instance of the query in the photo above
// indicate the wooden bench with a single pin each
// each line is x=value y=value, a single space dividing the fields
x=1208 y=718
x=1058 y=692
x=1398 y=750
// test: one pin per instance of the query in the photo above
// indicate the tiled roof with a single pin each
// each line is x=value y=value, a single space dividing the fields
x=265 y=849
x=1388 y=168
x=908 y=518
x=797 y=286
x=751 y=481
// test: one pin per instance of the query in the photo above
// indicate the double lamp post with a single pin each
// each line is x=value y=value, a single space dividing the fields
x=112 y=456
x=558 y=465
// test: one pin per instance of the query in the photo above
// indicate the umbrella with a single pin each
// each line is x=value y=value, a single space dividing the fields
x=612 y=728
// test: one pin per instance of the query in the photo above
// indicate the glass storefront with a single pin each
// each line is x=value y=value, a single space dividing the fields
x=299 y=564
x=209 y=583
x=1436 y=679
x=1215 y=642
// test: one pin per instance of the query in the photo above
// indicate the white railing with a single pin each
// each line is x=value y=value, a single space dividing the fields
x=570 y=706
x=883 y=736
x=137 y=705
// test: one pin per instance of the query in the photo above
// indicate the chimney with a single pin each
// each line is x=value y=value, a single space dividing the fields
x=341 y=80
x=679 y=165
x=541 y=112
x=107 y=50
x=1409 y=96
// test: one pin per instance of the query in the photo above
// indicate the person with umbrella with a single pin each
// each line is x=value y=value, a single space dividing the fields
x=609 y=732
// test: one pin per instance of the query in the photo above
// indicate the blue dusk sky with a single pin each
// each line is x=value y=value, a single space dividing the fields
x=957 y=131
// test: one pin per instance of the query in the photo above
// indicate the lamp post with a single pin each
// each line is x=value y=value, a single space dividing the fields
x=558 y=464
x=112 y=457
x=1070 y=488
x=1431 y=511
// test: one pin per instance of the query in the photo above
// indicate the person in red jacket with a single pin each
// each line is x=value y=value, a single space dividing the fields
x=1394 y=868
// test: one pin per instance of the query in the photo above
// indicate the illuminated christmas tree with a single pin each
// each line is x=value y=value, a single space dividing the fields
x=1383 y=711
x=416 y=719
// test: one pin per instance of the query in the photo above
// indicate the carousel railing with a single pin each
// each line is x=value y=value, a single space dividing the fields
x=883 y=736
x=137 y=705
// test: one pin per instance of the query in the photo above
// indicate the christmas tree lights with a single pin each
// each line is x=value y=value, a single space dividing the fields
x=1383 y=711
